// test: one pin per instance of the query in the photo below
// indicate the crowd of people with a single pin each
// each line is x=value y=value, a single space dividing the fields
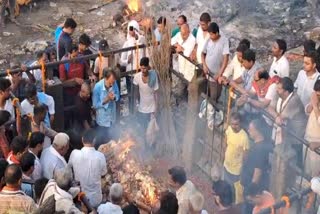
x=43 y=171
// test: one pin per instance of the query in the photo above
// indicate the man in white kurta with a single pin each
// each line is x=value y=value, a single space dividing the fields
x=89 y=166
x=184 y=43
x=52 y=158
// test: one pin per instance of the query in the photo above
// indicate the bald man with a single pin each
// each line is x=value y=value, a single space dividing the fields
x=184 y=43
x=82 y=113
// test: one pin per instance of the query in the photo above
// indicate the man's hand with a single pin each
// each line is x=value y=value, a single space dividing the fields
x=279 y=121
x=205 y=69
x=109 y=98
x=130 y=59
x=193 y=55
x=314 y=145
x=179 y=48
x=216 y=77
x=242 y=100
x=222 y=80
x=79 y=81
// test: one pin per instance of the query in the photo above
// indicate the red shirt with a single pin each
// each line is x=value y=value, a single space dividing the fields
x=12 y=159
x=69 y=71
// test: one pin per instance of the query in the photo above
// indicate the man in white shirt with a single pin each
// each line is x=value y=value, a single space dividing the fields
x=131 y=59
x=33 y=98
x=5 y=101
x=147 y=84
x=235 y=68
x=280 y=65
x=116 y=193
x=215 y=57
x=202 y=36
x=307 y=77
x=184 y=43
x=52 y=158
x=161 y=26
x=35 y=147
x=89 y=166
x=184 y=188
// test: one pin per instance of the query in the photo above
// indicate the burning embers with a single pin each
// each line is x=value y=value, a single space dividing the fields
x=134 y=5
x=135 y=177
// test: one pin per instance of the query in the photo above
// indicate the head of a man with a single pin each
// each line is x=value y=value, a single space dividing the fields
x=63 y=178
x=19 y=146
x=279 y=47
x=3 y=165
x=5 y=89
x=88 y=138
x=235 y=122
x=40 y=112
x=245 y=42
x=308 y=45
x=74 y=51
x=85 y=91
x=185 y=31
x=109 y=77
x=161 y=24
x=205 y=20
x=13 y=176
x=182 y=19
x=116 y=193
x=261 y=78
x=144 y=66
x=177 y=177
x=258 y=130
x=36 y=142
x=69 y=25
x=84 y=42
x=310 y=61
x=4 y=119
x=168 y=202
x=196 y=202
x=255 y=194
x=214 y=31
x=223 y=195
x=316 y=88
x=240 y=50
x=39 y=186
x=248 y=59
x=285 y=87
x=61 y=143
x=103 y=45
x=31 y=94
x=42 y=57
x=27 y=163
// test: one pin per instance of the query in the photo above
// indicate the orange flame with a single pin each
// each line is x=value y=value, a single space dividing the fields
x=134 y=5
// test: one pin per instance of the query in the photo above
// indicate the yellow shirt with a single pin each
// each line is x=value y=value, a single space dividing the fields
x=237 y=144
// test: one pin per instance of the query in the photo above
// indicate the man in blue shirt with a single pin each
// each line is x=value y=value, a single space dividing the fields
x=63 y=37
x=105 y=94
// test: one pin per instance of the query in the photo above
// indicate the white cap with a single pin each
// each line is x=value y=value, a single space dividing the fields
x=196 y=201
x=116 y=190
x=315 y=185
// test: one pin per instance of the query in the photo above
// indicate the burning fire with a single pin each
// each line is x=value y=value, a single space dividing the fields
x=134 y=5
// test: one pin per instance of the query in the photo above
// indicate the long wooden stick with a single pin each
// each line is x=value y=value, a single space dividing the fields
x=100 y=6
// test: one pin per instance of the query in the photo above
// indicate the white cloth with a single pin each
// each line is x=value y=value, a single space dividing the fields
x=147 y=95
x=27 y=108
x=135 y=25
x=137 y=55
x=64 y=200
x=280 y=67
x=9 y=107
x=37 y=75
x=51 y=160
x=201 y=41
x=37 y=172
x=89 y=166
x=234 y=69
x=109 y=208
x=183 y=194
x=304 y=86
x=185 y=67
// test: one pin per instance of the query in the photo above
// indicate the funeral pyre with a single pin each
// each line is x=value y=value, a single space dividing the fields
x=126 y=167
